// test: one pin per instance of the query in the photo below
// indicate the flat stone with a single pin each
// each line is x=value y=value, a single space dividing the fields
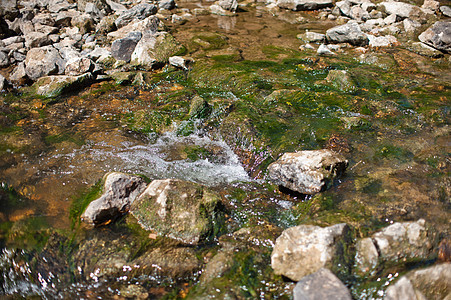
x=323 y=284
x=307 y=172
x=52 y=86
x=304 y=4
x=425 y=50
x=446 y=11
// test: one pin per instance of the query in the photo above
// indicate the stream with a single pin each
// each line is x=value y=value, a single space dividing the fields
x=267 y=97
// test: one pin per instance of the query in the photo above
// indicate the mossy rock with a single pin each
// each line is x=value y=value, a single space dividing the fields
x=181 y=210
x=53 y=86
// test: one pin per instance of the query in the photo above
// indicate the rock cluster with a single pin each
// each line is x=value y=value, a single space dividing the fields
x=365 y=23
x=307 y=253
x=64 y=41
x=178 y=209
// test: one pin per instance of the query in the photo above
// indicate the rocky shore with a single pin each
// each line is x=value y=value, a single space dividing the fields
x=63 y=45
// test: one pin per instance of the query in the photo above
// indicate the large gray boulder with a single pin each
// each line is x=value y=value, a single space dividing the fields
x=155 y=49
x=430 y=283
x=138 y=12
x=395 y=243
x=438 y=36
x=303 y=250
x=43 y=61
x=307 y=172
x=321 y=285
x=347 y=33
x=122 y=49
x=119 y=192
x=304 y=4
x=182 y=210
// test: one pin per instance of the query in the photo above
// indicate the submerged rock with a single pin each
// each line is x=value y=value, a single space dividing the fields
x=307 y=172
x=438 y=36
x=430 y=283
x=322 y=284
x=341 y=79
x=347 y=33
x=182 y=210
x=119 y=192
x=304 y=249
x=304 y=4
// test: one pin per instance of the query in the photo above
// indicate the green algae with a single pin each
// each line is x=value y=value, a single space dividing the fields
x=80 y=203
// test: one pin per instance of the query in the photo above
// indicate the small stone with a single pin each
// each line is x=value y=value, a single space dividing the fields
x=180 y=62
x=322 y=284
x=382 y=41
x=324 y=50
x=166 y=4
x=4 y=60
x=3 y=82
x=431 y=4
x=52 y=86
x=410 y=26
x=341 y=79
x=119 y=192
x=312 y=37
x=79 y=66
x=366 y=256
x=307 y=172
x=425 y=50
x=304 y=4
x=199 y=108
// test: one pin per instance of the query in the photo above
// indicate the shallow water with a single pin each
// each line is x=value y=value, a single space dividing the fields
x=394 y=129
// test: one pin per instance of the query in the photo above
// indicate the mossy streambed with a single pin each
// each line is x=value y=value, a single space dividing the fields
x=264 y=97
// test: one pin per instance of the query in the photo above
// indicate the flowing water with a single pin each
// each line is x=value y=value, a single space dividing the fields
x=267 y=98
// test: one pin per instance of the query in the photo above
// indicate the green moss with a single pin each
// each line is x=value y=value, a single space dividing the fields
x=392 y=152
x=30 y=234
x=10 y=199
x=58 y=138
x=80 y=203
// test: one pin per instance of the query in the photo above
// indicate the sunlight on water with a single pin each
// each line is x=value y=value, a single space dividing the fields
x=167 y=158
